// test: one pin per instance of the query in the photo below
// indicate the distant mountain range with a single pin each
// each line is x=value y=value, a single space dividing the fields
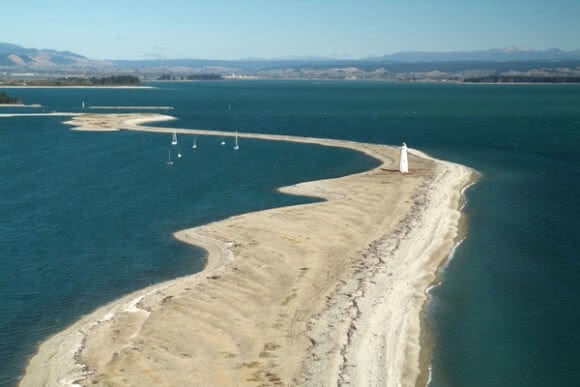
x=483 y=65
x=14 y=56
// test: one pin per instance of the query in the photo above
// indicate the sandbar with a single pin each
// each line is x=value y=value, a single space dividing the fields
x=327 y=293
x=132 y=107
x=20 y=105
x=51 y=114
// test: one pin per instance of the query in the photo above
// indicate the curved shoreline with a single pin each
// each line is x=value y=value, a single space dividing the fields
x=428 y=340
x=353 y=319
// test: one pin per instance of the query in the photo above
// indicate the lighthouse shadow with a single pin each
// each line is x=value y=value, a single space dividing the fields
x=411 y=171
x=389 y=170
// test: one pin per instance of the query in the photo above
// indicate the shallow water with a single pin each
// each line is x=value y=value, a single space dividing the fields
x=87 y=217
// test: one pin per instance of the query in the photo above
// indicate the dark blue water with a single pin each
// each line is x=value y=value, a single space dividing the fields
x=90 y=215
x=87 y=217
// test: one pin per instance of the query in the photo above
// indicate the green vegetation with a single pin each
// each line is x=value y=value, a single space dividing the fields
x=6 y=99
x=114 y=80
x=125 y=80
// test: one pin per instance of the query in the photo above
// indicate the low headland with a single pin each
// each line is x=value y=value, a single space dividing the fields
x=327 y=293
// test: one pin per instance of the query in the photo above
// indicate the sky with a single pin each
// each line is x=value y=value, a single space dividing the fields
x=222 y=29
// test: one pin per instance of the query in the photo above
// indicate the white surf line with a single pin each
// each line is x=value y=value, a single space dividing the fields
x=57 y=114
x=133 y=107
x=19 y=105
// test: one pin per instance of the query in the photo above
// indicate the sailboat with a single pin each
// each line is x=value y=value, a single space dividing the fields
x=194 y=146
x=178 y=153
x=236 y=147
x=169 y=161
x=223 y=142
x=174 y=139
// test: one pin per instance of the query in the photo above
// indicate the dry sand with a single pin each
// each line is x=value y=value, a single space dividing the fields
x=319 y=294
x=121 y=107
x=19 y=105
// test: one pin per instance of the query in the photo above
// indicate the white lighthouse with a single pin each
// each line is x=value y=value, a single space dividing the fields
x=404 y=163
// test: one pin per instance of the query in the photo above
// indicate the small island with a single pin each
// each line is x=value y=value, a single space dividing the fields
x=110 y=81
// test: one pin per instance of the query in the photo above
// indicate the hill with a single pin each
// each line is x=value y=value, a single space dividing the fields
x=506 y=63
x=14 y=56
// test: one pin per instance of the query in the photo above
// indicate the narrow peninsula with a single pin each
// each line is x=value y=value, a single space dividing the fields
x=320 y=294
x=108 y=81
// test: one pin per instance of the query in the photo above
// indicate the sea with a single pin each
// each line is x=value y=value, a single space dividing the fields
x=88 y=217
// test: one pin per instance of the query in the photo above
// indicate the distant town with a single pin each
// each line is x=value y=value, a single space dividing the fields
x=41 y=67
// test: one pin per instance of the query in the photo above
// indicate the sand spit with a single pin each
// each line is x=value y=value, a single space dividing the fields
x=327 y=293
x=131 y=107
x=54 y=114
x=19 y=105
x=113 y=122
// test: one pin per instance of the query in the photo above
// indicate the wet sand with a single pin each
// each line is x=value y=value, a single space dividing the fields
x=317 y=294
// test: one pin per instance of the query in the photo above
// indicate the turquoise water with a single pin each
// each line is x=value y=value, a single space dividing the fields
x=87 y=217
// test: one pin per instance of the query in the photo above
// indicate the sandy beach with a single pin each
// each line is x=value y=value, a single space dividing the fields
x=132 y=107
x=19 y=105
x=328 y=293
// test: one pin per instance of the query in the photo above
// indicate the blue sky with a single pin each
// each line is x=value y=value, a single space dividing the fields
x=137 y=29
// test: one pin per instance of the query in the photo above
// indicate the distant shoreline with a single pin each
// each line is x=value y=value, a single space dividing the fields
x=520 y=83
x=76 y=87
x=426 y=81
x=418 y=81
x=20 y=105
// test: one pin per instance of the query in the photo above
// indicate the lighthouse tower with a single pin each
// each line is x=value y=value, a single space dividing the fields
x=404 y=163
